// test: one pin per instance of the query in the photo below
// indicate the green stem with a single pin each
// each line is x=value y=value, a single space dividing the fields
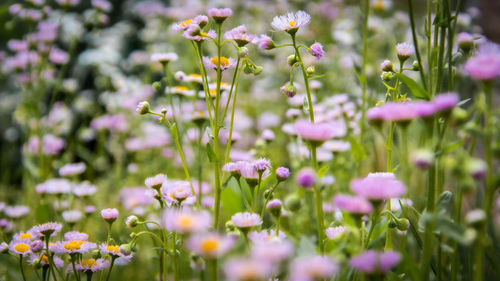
x=268 y=199
x=415 y=44
x=21 y=266
x=319 y=206
x=175 y=262
x=388 y=239
x=77 y=276
x=110 y=268
x=306 y=80
x=366 y=10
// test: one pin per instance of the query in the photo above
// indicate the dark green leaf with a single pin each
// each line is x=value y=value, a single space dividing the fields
x=417 y=90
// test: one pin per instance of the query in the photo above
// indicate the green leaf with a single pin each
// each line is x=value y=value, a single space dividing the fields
x=357 y=150
x=231 y=199
x=417 y=90
x=211 y=154
x=321 y=173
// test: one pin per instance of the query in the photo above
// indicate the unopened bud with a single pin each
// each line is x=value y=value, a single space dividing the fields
x=292 y=59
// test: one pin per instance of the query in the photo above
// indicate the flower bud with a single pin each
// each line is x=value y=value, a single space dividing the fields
x=423 y=158
x=475 y=217
x=476 y=168
x=37 y=263
x=403 y=224
x=126 y=249
x=242 y=52
x=282 y=173
x=289 y=90
x=459 y=116
x=310 y=70
x=268 y=194
x=257 y=70
x=465 y=42
x=293 y=202
x=387 y=76
x=143 y=108
x=274 y=207
x=156 y=86
x=415 y=66
x=292 y=59
x=387 y=66
x=392 y=223
x=132 y=221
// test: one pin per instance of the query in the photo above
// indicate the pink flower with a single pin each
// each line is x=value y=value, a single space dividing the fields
x=247 y=269
x=375 y=262
x=110 y=214
x=210 y=245
x=291 y=22
x=213 y=63
x=306 y=178
x=378 y=186
x=239 y=35
x=310 y=269
x=186 y=220
x=352 y=204
x=335 y=232
x=246 y=220
x=219 y=15
x=317 y=132
x=317 y=50
x=178 y=192
x=484 y=66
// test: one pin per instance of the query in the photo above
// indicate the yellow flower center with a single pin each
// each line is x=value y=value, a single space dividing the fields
x=213 y=93
x=22 y=248
x=223 y=61
x=186 y=221
x=180 y=88
x=186 y=23
x=45 y=259
x=114 y=249
x=194 y=75
x=25 y=236
x=379 y=5
x=73 y=245
x=210 y=245
x=88 y=263
x=292 y=23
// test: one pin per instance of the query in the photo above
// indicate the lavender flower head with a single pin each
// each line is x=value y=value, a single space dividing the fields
x=291 y=22
x=316 y=133
x=225 y=63
x=72 y=169
x=109 y=214
x=317 y=50
x=47 y=229
x=352 y=204
x=76 y=236
x=156 y=181
x=282 y=173
x=220 y=15
x=485 y=66
x=261 y=164
x=265 y=42
x=404 y=51
x=306 y=178
x=239 y=35
x=371 y=261
x=186 y=221
x=164 y=57
x=246 y=220
x=378 y=186
x=310 y=269
x=247 y=269
x=210 y=245
x=445 y=102
x=335 y=232
x=178 y=192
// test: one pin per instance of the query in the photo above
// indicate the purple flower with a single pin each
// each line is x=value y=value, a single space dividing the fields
x=213 y=63
x=317 y=50
x=102 y=5
x=76 y=236
x=210 y=245
x=375 y=262
x=261 y=164
x=246 y=220
x=156 y=181
x=73 y=246
x=219 y=15
x=20 y=247
x=265 y=237
x=306 y=178
x=178 y=192
x=291 y=22
x=239 y=35
x=404 y=51
x=352 y=204
x=58 y=56
x=272 y=251
x=16 y=212
x=310 y=269
x=485 y=66
x=72 y=169
x=247 y=269
x=386 y=65
x=164 y=57
x=317 y=133
x=265 y=42
x=282 y=173
x=90 y=265
x=193 y=33
x=335 y=232
x=465 y=41
x=72 y=216
x=378 y=186
x=186 y=221
x=47 y=229
x=109 y=214
x=445 y=102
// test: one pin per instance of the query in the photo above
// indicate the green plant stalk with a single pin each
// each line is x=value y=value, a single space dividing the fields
x=429 y=228
x=442 y=38
x=267 y=199
x=319 y=206
x=21 y=266
x=214 y=269
x=256 y=195
x=200 y=165
x=228 y=147
x=175 y=261
x=455 y=260
x=429 y=47
x=366 y=11
x=77 y=276
x=415 y=44
x=389 y=144
x=110 y=268
x=204 y=79
x=489 y=190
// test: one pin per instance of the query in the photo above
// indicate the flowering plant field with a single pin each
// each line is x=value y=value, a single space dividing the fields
x=247 y=141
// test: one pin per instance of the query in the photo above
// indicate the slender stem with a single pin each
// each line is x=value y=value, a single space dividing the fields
x=256 y=194
x=366 y=11
x=306 y=80
x=455 y=260
x=77 y=276
x=319 y=206
x=415 y=43
x=429 y=47
x=89 y=275
x=388 y=239
x=175 y=263
x=214 y=269
x=267 y=199
x=200 y=165
x=21 y=266
x=110 y=268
